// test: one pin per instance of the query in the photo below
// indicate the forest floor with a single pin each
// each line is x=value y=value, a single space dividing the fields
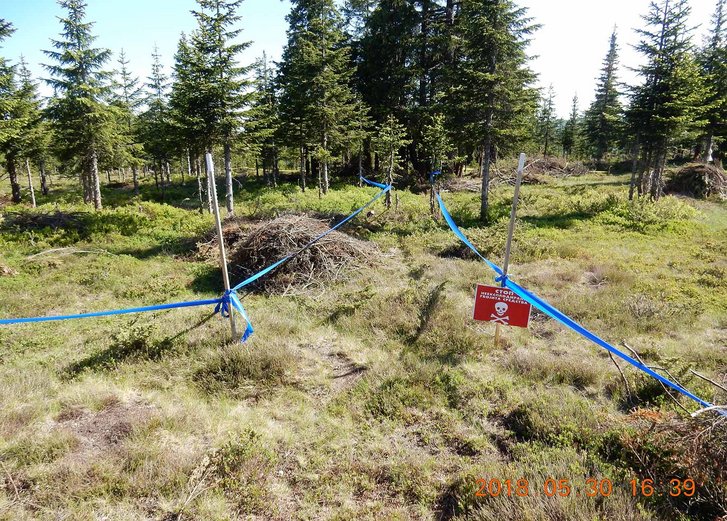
x=374 y=397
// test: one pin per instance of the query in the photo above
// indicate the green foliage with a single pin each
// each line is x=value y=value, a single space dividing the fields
x=668 y=105
x=390 y=138
x=604 y=118
x=320 y=112
x=546 y=123
x=82 y=121
x=712 y=59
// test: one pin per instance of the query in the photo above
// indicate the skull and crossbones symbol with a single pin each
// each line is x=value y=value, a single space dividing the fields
x=499 y=315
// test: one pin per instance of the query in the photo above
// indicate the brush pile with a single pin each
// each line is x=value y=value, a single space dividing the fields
x=556 y=167
x=699 y=180
x=328 y=259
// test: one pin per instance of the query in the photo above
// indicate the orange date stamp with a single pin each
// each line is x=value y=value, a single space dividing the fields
x=591 y=487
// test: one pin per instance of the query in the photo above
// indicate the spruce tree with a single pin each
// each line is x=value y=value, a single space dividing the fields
x=493 y=95
x=546 y=130
x=155 y=126
x=9 y=125
x=571 y=130
x=713 y=61
x=263 y=121
x=604 y=118
x=128 y=97
x=390 y=138
x=81 y=118
x=667 y=106
x=6 y=85
x=388 y=48
x=185 y=118
x=33 y=138
x=79 y=114
x=318 y=105
x=222 y=85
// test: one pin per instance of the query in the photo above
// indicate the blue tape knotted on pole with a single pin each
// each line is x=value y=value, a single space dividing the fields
x=433 y=175
x=231 y=300
x=561 y=317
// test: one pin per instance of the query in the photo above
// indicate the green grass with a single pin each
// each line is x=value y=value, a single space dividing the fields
x=378 y=398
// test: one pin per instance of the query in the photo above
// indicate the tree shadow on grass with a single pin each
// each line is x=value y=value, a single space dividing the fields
x=135 y=344
x=559 y=221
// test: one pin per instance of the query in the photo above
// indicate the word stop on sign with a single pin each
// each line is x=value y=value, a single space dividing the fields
x=502 y=306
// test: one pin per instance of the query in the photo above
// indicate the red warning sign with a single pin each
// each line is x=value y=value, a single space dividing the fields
x=502 y=306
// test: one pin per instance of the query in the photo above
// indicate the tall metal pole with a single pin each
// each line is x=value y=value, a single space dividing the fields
x=511 y=230
x=220 y=237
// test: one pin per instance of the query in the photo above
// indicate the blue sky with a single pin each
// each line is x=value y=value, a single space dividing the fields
x=570 y=45
x=135 y=26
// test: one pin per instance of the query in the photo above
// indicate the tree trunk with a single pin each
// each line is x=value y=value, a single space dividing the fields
x=302 y=169
x=485 y=197
x=43 y=178
x=30 y=183
x=135 y=178
x=13 y=174
x=657 y=175
x=486 y=159
x=200 y=190
x=325 y=162
x=189 y=165
x=634 y=169
x=360 y=167
x=96 y=182
x=229 y=196
x=707 y=152
x=276 y=167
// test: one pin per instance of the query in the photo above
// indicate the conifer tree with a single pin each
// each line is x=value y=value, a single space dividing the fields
x=547 y=121
x=81 y=118
x=390 y=138
x=493 y=93
x=435 y=144
x=6 y=84
x=319 y=109
x=263 y=121
x=713 y=61
x=571 y=130
x=185 y=115
x=9 y=127
x=668 y=104
x=155 y=125
x=604 y=118
x=128 y=97
x=33 y=138
x=222 y=85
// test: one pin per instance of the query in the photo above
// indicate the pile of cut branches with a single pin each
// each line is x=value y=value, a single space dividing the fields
x=326 y=260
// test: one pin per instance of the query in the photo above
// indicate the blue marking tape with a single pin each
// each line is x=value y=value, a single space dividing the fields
x=113 y=312
x=230 y=300
x=561 y=317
